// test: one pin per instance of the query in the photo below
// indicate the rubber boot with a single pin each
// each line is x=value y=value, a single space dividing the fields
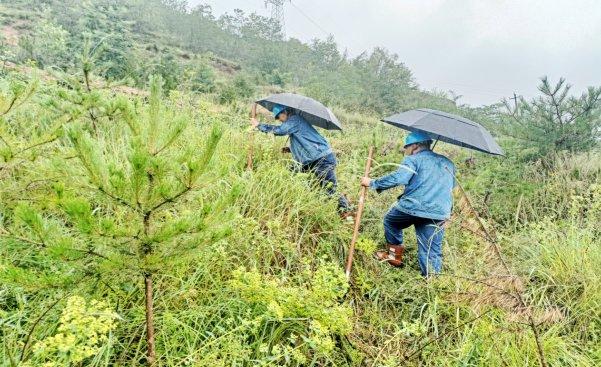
x=394 y=255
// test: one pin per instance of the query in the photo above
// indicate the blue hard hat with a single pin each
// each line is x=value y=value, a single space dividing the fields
x=277 y=109
x=417 y=137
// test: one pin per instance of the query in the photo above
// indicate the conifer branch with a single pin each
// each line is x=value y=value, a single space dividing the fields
x=13 y=103
x=10 y=106
x=7 y=234
x=47 y=141
x=6 y=143
x=166 y=145
x=172 y=199
x=590 y=104
x=117 y=199
x=90 y=252
x=556 y=106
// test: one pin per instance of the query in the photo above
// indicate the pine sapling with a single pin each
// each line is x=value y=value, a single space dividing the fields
x=146 y=178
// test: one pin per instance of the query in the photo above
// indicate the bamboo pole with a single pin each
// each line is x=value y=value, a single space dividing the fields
x=251 y=143
x=362 y=196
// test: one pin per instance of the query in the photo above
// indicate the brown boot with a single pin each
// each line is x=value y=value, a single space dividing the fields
x=394 y=255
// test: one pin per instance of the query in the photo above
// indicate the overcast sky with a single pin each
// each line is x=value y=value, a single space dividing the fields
x=482 y=49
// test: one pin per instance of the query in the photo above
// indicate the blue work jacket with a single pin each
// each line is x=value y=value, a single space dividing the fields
x=429 y=179
x=306 y=144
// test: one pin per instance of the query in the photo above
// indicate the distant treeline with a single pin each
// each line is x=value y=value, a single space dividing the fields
x=192 y=47
x=231 y=56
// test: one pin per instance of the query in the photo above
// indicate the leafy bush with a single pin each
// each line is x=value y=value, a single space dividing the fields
x=202 y=77
x=48 y=45
x=83 y=332
x=239 y=87
x=306 y=318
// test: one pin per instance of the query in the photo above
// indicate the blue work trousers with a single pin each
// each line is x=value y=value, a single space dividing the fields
x=325 y=170
x=429 y=233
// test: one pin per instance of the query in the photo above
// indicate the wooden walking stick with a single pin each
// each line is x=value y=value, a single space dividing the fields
x=362 y=196
x=251 y=145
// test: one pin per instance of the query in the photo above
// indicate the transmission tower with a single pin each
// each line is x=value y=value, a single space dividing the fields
x=277 y=11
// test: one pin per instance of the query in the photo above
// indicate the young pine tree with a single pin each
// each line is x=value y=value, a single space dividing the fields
x=135 y=203
x=556 y=121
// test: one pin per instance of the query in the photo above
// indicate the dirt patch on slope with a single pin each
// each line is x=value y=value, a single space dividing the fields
x=10 y=35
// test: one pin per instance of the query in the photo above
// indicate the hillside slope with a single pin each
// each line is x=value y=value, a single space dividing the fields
x=123 y=145
x=192 y=49
x=247 y=266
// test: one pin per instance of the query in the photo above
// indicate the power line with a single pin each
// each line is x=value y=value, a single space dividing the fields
x=309 y=18
x=331 y=19
x=473 y=89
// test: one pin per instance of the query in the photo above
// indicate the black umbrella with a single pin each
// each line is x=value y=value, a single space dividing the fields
x=314 y=112
x=448 y=128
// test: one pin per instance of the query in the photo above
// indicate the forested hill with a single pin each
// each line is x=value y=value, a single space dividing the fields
x=229 y=55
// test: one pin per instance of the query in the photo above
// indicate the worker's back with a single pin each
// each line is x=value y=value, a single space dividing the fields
x=306 y=144
x=429 y=191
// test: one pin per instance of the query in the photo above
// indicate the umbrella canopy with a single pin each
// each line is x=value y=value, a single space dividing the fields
x=314 y=112
x=448 y=128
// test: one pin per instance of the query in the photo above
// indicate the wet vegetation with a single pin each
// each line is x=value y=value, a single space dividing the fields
x=131 y=232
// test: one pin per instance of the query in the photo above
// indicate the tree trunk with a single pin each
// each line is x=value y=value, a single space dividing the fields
x=151 y=356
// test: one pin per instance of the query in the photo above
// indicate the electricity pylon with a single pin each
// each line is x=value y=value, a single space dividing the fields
x=277 y=12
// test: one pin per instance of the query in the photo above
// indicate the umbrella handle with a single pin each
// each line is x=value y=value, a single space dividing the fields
x=362 y=197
